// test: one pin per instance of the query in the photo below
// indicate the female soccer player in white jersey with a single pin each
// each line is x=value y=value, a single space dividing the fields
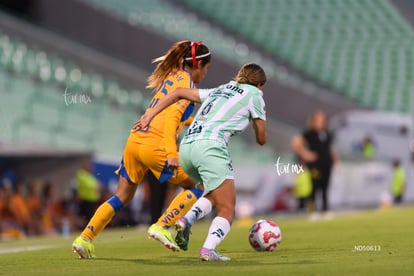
x=225 y=111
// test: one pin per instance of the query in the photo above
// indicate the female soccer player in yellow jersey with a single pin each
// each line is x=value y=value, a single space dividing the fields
x=155 y=148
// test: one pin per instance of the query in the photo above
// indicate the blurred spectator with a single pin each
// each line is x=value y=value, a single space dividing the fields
x=19 y=207
x=36 y=208
x=9 y=229
x=52 y=210
x=88 y=191
x=33 y=199
x=398 y=182
x=315 y=147
x=303 y=188
x=69 y=207
x=34 y=205
x=368 y=148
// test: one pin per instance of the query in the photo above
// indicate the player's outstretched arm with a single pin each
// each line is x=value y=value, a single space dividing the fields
x=190 y=94
x=259 y=126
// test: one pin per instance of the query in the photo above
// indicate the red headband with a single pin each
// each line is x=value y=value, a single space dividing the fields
x=193 y=51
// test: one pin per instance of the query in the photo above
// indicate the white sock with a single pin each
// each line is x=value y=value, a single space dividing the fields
x=200 y=209
x=218 y=230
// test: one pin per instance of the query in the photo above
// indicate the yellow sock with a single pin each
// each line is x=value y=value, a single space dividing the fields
x=179 y=207
x=98 y=222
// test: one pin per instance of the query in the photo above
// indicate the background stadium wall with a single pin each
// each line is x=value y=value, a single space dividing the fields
x=90 y=26
x=30 y=162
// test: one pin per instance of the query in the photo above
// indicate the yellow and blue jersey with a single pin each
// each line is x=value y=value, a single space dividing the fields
x=166 y=126
x=149 y=148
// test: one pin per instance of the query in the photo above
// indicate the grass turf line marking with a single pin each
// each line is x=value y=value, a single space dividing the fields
x=26 y=248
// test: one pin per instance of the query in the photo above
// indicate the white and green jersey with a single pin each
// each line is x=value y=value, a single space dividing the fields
x=225 y=111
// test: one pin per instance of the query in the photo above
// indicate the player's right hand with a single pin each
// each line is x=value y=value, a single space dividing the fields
x=172 y=163
x=142 y=123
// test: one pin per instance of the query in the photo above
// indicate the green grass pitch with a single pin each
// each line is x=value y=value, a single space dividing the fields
x=376 y=242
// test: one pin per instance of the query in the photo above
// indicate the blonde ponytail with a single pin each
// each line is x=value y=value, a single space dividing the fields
x=182 y=53
x=169 y=63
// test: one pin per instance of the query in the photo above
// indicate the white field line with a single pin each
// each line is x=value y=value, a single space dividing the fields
x=26 y=248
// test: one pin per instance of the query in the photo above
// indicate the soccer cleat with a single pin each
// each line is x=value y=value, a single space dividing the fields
x=84 y=248
x=183 y=233
x=212 y=255
x=162 y=235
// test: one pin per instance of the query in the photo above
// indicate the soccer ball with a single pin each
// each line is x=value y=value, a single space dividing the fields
x=265 y=235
